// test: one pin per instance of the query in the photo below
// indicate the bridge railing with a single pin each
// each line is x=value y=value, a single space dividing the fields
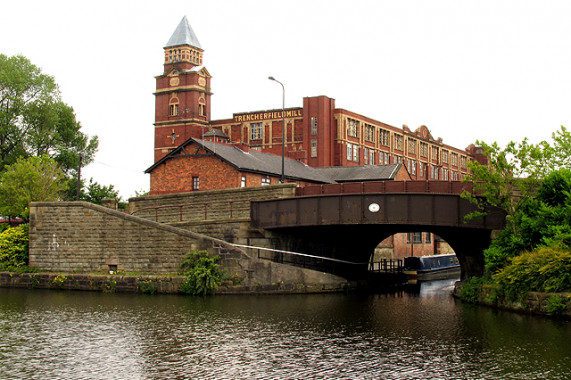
x=189 y=212
x=432 y=186
x=386 y=266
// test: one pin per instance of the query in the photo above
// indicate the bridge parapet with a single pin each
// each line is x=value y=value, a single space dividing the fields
x=433 y=187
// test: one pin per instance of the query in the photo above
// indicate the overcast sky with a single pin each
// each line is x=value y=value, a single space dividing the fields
x=468 y=70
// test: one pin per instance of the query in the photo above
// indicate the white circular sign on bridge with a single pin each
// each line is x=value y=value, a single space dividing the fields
x=374 y=207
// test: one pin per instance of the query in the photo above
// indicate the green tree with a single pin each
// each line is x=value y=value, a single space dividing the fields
x=56 y=133
x=28 y=180
x=34 y=121
x=96 y=192
x=543 y=220
x=514 y=173
x=93 y=193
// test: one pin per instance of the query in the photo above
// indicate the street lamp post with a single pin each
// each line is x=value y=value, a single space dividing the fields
x=283 y=127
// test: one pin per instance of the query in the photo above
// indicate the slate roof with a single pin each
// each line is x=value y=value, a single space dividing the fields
x=360 y=173
x=183 y=35
x=270 y=164
x=216 y=132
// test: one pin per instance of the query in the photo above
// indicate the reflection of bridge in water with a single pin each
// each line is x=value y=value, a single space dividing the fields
x=347 y=221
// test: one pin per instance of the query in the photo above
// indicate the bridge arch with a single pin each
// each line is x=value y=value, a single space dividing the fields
x=349 y=226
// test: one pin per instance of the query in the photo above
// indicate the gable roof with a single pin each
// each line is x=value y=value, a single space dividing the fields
x=183 y=35
x=252 y=161
x=270 y=164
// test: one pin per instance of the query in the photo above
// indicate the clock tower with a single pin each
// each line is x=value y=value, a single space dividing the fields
x=182 y=98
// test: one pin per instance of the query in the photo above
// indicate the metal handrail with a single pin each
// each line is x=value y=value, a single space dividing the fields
x=298 y=254
x=386 y=265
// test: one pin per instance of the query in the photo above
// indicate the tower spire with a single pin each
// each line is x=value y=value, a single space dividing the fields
x=182 y=107
x=183 y=46
x=183 y=35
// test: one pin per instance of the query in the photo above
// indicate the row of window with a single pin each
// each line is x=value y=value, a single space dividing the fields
x=412 y=165
x=178 y=55
x=384 y=140
x=173 y=109
x=264 y=182
x=369 y=155
x=416 y=237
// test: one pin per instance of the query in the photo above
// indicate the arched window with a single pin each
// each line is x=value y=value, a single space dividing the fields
x=173 y=105
x=201 y=107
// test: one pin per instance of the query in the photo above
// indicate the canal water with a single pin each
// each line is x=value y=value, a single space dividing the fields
x=419 y=333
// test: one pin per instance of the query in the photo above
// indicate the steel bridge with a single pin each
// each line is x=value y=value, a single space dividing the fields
x=347 y=221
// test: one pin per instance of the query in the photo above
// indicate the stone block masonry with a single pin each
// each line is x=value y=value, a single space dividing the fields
x=245 y=194
x=80 y=238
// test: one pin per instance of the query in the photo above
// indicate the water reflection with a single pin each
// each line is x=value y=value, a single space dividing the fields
x=422 y=333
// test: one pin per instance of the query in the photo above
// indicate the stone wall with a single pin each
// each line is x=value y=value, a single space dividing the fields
x=80 y=237
x=210 y=205
x=83 y=237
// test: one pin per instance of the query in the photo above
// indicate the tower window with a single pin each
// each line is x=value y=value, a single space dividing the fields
x=313 y=147
x=314 y=125
x=195 y=183
x=174 y=109
x=201 y=109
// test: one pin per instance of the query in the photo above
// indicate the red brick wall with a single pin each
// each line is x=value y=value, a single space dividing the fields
x=188 y=123
x=175 y=175
x=403 y=248
x=322 y=108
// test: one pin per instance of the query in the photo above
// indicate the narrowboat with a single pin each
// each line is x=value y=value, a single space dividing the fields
x=435 y=267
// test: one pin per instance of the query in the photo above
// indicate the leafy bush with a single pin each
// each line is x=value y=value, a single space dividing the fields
x=14 y=247
x=60 y=280
x=471 y=289
x=547 y=269
x=203 y=274
x=147 y=287
x=555 y=305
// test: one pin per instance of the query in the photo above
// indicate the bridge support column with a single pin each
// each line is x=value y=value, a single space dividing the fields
x=469 y=246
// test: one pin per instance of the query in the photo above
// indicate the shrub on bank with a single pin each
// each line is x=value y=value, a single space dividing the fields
x=203 y=274
x=14 y=248
x=546 y=269
x=472 y=289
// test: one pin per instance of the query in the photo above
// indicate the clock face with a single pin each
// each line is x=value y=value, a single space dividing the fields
x=374 y=207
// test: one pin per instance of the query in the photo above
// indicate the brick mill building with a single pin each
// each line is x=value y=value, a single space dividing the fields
x=193 y=152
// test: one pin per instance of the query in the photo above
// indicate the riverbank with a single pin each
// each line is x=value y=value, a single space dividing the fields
x=152 y=284
x=534 y=303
